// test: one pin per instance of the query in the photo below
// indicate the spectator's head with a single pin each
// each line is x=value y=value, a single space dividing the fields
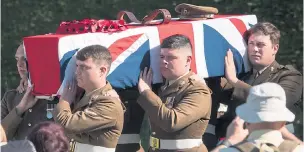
x=93 y=64
x=21 y=63
x=175 y=56
x=49 y=137
x=265 y=108
x=263 y=44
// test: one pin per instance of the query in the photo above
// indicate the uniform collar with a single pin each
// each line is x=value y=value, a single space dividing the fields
x=273 y=66
x=92 y=96
x=260 y=71
x=92 y=92
x=169 y=82
x=176 y=85
x=102 y=89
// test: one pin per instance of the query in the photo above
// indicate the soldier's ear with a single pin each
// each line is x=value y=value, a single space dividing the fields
x=275 y=48
x=189 y=59
x=103 y=70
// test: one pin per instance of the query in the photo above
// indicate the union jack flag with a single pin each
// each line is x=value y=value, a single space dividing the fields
x=51 y=58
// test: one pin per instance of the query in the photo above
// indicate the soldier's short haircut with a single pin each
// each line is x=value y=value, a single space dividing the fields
x=98 y=53
x=264 y=28
x=20 y=44
x=177 y=41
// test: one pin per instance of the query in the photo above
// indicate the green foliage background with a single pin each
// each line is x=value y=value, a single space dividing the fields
x=22 y=18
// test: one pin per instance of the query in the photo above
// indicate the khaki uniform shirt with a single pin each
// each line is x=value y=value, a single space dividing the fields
x=15 y=126
x=181 y=111
x=97 y=119
x=287 y=77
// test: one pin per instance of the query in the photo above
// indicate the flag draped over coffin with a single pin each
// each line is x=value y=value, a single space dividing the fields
x=51 y=57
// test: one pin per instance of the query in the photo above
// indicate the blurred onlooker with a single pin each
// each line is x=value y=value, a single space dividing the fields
x=49 y=137
x=18 y=146
x=265 y=115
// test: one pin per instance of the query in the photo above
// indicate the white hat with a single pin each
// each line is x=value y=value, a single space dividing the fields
x=265 y=103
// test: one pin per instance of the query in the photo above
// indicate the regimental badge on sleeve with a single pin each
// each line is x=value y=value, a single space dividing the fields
x=169 y=102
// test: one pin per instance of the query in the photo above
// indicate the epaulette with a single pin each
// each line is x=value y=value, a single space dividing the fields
x=289 y=67
x=195 y=77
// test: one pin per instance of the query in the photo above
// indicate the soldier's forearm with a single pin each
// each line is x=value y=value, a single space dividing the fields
x=10 y=123
x=157 y=111
x=241 y=90
x=241 y=84
x=20 y=109
x=83 y=121
x=151 y=103
x=61 y=113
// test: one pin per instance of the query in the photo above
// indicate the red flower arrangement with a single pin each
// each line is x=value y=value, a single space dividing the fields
x=91 y=26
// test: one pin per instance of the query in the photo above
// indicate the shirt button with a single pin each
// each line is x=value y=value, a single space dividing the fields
x=30 y=110
x=29 y=124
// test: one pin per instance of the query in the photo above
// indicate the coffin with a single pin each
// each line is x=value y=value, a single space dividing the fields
x=51 y=57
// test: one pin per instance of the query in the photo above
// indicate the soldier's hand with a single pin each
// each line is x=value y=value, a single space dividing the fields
x=230 y=71
x=22 y=85
x=236 y=132
x=145 y=80
x=69 y=91
x=28 y=101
